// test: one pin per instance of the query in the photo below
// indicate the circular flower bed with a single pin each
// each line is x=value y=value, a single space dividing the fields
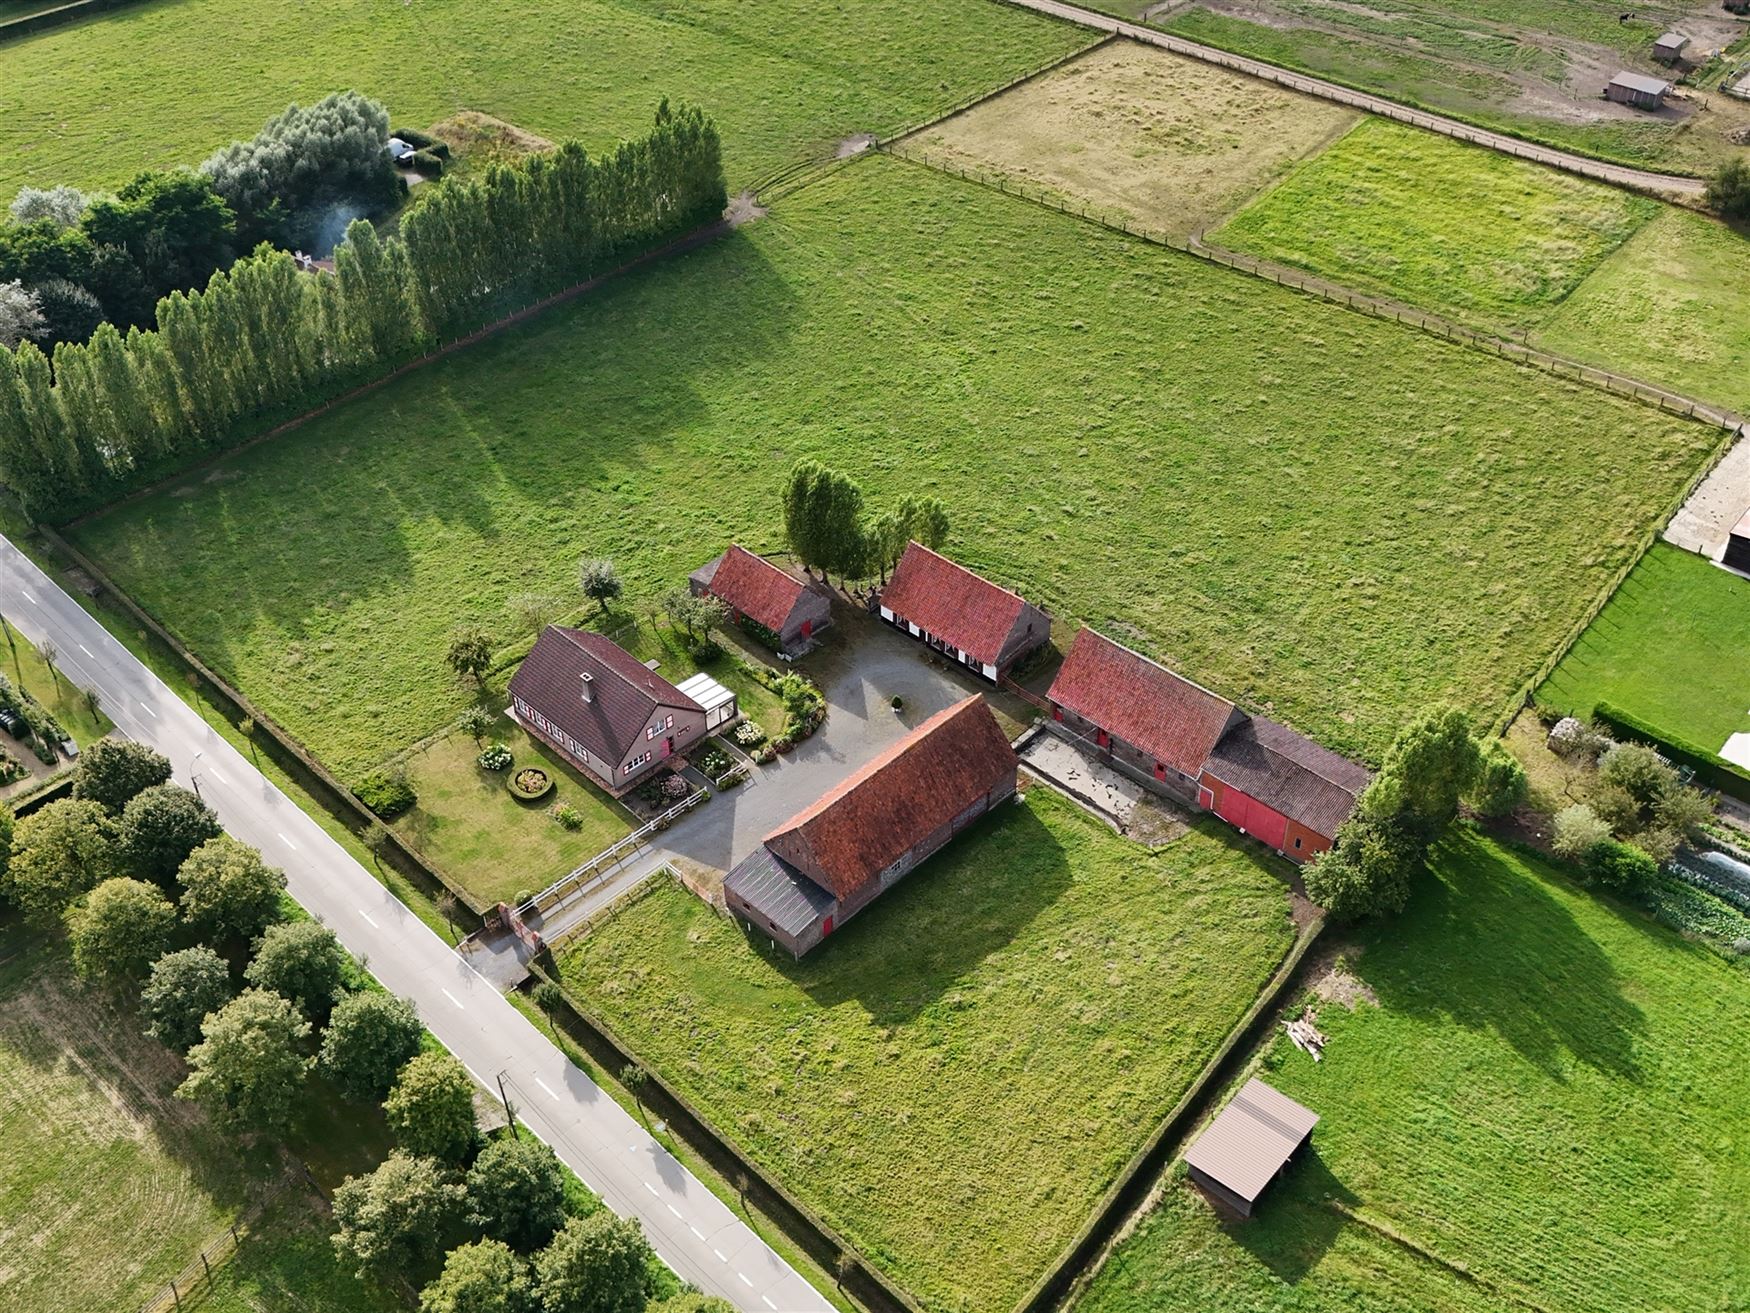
x=530 y=782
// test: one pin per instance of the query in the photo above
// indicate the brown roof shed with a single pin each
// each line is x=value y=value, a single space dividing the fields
x=1249 y=1142
x=1288 y=773
x=753 y=586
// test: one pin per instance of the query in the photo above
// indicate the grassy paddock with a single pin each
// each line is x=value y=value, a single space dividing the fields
x=953 y=1079
x=160 y=85
x=1172 y=143
x=1548 y=1097
x=1669 y=648
x=1310 y=510
x=1440 y=225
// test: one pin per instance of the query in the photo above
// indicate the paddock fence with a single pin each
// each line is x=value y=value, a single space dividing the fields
x=192 y=1285
x=44 y=19
x=1520 y=353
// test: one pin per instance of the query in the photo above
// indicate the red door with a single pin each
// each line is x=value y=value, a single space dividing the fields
x=668 y=745
x=1263 y=823
x=808 y=629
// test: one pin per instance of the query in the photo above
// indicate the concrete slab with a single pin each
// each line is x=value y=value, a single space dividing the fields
x=1067 y=767
x=1704 y=522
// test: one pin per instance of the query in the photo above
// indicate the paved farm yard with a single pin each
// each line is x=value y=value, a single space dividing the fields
x=1549 y=1095
x=1307 y=509
x=953 y=1078
x=1132 y=131
x=1669 y=648
x=163 y=84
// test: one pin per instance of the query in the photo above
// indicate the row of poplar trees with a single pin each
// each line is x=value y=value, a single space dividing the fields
x=97 y=420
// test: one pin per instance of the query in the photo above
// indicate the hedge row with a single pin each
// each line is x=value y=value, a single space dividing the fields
x=1710 y=770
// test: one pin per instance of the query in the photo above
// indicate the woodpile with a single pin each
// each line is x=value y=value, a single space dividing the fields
x=1305 y=1036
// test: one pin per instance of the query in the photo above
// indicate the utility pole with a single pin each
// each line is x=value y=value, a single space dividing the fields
x=509 y=1112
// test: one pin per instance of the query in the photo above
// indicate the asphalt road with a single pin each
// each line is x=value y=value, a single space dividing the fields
x=695 y=1232
x=1663 y=184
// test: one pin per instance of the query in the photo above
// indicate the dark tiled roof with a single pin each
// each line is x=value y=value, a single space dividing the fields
x=952 y=603
x=778 y=891
x=1289 y=772
x=1140 y=701
x=920 y=784
x=624 y=694
x=755 y=587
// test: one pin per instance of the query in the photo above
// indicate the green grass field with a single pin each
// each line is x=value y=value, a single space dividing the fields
x=1669 y=648
x=165 y=84
x=1310 y=510
x=1439 y=225
x=955 y=1077
x=1548 y=1097
x=288 y=1265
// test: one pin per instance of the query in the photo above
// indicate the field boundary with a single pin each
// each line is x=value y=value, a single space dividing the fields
x=1134 y=1183
x=42 y=21
x=1620 y=385
x=184 y=1290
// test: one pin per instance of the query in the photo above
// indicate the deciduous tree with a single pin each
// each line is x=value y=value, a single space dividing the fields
x=516 y=1193
x=182 y=988
x=398 y=1220
x=119 y=929
x=112 y=771
x=249 y=1067
x=227 y=889
x=599 y=581
x=431 y=1108
x=370 y=1037
x=484 y=1277
x=302 y=961
x=58 y=853
x=1500 y=783
x=160 y=827
x=596 y=1264
x=470 y=654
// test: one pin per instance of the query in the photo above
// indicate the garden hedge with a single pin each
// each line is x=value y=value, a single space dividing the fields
x=1710 y=770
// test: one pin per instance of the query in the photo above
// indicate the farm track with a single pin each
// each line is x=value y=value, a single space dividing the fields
x=1664 y=185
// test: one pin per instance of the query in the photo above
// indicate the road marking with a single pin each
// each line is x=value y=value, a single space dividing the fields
x=87 y=651
x=744 y=1280
x=367 y=916
x=27 y=596
x=719 y=1253
x=451 y=997
x=148 y=710
x=220 y=778
x=675 y=1211
x=766 y=1300
x=651 y=1188
x=543 y=1084
x=288 y=843
x=695 y=1230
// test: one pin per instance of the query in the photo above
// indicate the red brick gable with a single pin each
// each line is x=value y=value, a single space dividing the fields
x=910 y=791
x=756 y=588
x=952 y=603
x=1137 y=700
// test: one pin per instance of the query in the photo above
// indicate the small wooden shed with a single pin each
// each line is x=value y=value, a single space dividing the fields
x=1638 y=90
x=1668 y=49
x=1737 y=553
x=1248 y=1145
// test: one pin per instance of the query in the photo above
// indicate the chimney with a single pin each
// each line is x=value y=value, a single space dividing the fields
x=585 y=680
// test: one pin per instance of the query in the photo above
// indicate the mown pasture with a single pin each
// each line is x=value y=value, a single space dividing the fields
x=1668 y=649
x=1133 y=132
x=159 y=85
x=1310 y=510
x=1544 y=1109
x=954 y=1077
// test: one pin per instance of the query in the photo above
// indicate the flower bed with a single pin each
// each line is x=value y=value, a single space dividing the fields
x=529 y=783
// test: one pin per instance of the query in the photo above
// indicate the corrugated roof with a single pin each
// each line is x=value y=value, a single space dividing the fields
x=1640 y=82
x=707 y=692
x=1140 y=701
x=778 y=891
x=755 y=587
x=1250 y=1139
x=869 y=821
x=953 y=603
x=624 y=694
x=1303 y=780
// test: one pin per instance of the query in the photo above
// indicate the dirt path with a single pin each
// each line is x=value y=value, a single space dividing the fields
x=1664 y=185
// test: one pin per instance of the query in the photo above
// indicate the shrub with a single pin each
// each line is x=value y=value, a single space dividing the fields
x=70 y=313
x=1578 y=830
x=496 y=757
x=748 y=734
x=431 y=1108
x=475 y=722
x=160 y=827
x=1638 y=770
x=1618 y=865
x=674 y=788
x=516 y=1193
x=1710 y=770
x=704 y=649
x=182 y=988
x=422 y=141
x=249 y=1067
x=370 y=1037
x=387 y=792
x=1368 y=872
x=302 y=961
x=1501 y=783
x=119 y=929
x=567 y=816
x=1728 y=191
x=428 y=163
x=399 y=1219
x=112 y=771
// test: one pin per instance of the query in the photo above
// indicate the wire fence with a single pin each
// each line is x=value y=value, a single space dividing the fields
x=191 y=1285
x=1622 y=385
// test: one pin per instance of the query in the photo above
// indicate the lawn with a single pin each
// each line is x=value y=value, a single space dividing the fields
x=1264 y=489
x=1548 y=1097
x=1171 y=143
x=1672 y=305
x=954 y=1077
x=1439 y=225
x=287 y=1264
x=54 y=688
x=1669 y=648
x=164 y=84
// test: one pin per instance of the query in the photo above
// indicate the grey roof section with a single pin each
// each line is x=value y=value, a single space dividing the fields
x=778 y=891
x=1251 y=1139
x=1640 y=82
x=1672 y=41
x=706 y=572
x=1303 y=780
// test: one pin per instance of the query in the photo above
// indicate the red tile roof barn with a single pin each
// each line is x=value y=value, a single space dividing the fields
x=871 y=820
x=1140 y=701
x=1289 y=773
x=624 y=693
x=755 y=587
x=952 y=603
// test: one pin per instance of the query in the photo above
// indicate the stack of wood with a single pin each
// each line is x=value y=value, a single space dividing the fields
x=1305 y=1036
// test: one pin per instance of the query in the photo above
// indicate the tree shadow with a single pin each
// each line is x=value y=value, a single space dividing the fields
x=1293 y=1224
x=1486 y=945
x=915 y=943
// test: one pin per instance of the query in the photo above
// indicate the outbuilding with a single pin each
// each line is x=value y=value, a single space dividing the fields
x=1737 y=553
x=1638 y=90
x=1248 y=1145
x=832 y=859
x=765 y=599
x=967 y=618
x=1280 y=787
x=1668 y=49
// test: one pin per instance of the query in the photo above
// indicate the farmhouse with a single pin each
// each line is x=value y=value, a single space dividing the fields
x=1156 y=726
x=831 y=860
x=1637 y=90
x=1668 y=49
x=1248 y=1145
x=603 y=710
x=960 y=614
x=759 y=592
x=1183 y=741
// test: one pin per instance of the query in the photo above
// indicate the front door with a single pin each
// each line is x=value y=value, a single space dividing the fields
x=808 y=629
x=668 y=745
